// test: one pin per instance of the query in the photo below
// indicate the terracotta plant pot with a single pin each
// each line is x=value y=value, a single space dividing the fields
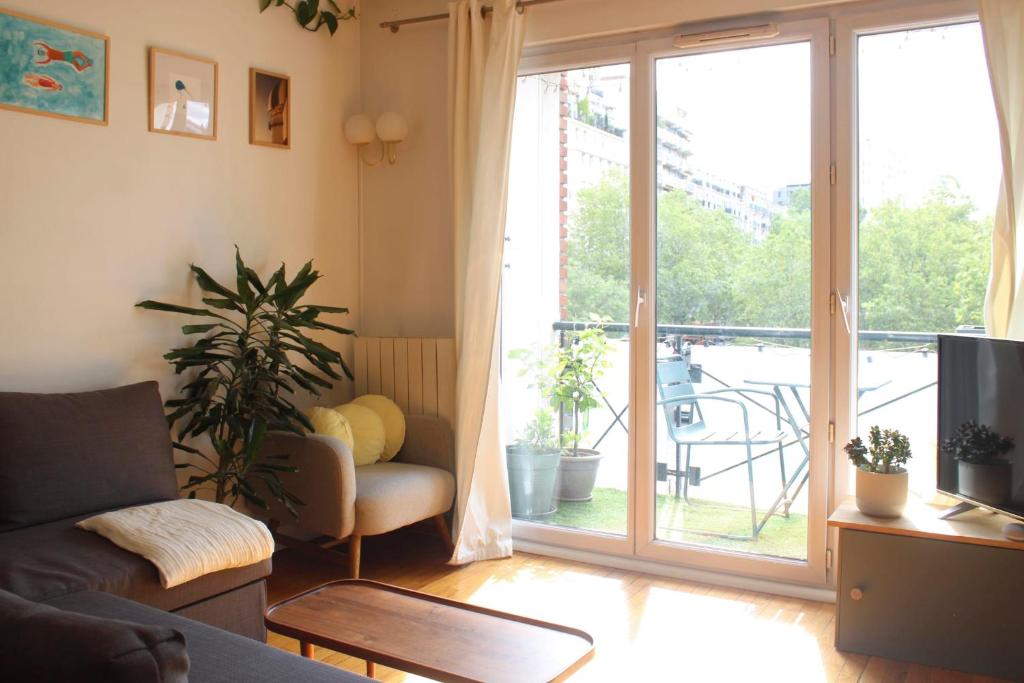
x=881 y=495
x=987 y=483
x=578 y=474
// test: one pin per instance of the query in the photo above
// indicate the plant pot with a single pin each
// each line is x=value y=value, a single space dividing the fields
x=578 y=474
x=987 y=483
x=881 y=495
x=532 y=476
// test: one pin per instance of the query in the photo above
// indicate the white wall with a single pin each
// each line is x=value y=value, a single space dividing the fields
x=94 y=219
x=408 y=245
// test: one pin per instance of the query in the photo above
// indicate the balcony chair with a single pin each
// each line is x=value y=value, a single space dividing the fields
x=687 y=428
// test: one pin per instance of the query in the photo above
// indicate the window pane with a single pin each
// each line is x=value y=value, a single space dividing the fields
x=565 y=300
x=928 y=183
x=733 y=299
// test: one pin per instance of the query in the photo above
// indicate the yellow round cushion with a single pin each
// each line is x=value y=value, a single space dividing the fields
x=330 y=422
x=392 y=417
x=368 y=430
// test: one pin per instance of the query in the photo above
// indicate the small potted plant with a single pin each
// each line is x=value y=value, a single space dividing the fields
x=532 y=462
x=881 y=476
x=983 y=473
x=573 y=384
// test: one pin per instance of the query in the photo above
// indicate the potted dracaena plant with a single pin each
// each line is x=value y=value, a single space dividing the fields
x=983 y=474
x=577 y=365
x=252 y=352
x=882 y=479
x=532 y=462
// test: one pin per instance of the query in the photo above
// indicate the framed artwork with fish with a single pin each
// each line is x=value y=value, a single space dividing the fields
x=51 y=69
x=270 y=97
x=182 y=94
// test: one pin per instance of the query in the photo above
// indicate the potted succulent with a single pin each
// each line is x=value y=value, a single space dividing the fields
x=983 y=474
x=577 y=366
x=532 y=462
x=881 y=476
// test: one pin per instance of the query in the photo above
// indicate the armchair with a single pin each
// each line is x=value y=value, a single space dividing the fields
x=344 y=502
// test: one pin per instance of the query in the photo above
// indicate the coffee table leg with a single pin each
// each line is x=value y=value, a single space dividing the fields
x=306 y=649
x=371 y=669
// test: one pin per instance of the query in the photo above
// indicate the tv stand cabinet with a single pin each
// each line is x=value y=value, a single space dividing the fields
x=942 y=592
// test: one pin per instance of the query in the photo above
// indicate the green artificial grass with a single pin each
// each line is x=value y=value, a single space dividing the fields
x=678 y=520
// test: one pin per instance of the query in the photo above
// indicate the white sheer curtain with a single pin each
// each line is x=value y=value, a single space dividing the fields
x=1002 y=24
x=483 y=59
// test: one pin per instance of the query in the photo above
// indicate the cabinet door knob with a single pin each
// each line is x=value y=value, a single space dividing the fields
x=856 y=594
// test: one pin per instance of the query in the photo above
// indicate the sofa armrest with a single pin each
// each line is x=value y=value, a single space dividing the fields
x=428 y=441
x=325 y=482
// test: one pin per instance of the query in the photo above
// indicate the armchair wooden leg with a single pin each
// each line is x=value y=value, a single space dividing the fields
x=355 y=547
x=442 y=530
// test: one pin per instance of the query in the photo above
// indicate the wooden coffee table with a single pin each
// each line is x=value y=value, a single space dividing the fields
x=429 y=636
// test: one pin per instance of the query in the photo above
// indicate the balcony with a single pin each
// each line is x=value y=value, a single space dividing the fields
x=709 y=502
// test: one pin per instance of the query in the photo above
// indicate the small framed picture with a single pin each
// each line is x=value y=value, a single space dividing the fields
x=270 y=104
x=182 y=94
x=52 y=69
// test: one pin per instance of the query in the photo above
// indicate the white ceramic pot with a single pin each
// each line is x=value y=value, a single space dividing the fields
x=881 y=495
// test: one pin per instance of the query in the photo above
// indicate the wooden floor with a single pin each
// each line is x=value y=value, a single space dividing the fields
x=647 y=628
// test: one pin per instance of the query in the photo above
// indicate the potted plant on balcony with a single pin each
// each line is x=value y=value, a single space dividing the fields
x=983 y=474
x=577 y=366
x=881 y=476
x=532 y=462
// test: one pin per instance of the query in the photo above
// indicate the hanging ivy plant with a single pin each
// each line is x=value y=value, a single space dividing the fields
x=311 y=17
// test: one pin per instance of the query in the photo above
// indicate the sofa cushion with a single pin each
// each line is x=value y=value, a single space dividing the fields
x=43 y=643
x=390 y=495
x=55 y=558
x=217 y=656
x=67 y=454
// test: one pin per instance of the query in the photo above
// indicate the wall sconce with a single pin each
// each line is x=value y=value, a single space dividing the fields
x=390 y=128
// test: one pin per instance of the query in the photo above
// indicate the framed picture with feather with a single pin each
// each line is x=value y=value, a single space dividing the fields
x=182 y=94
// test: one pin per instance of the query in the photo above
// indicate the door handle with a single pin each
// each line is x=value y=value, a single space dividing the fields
x=844 y=308
x=641 y=298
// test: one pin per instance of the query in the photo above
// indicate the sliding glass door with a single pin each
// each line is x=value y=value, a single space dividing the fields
x=925 y=183
x=737 y=355
x=727 y=253
x=565 y=306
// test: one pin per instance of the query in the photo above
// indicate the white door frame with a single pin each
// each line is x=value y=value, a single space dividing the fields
x=582 y=539
x=834 y=369
x=816 y=33
x=848 y=29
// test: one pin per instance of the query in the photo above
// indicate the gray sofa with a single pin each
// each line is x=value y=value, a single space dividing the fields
x=64 y=457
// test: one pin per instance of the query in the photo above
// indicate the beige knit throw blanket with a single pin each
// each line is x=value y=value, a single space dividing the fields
x=185 y=539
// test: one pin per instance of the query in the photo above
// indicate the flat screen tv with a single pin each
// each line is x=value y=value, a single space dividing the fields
x=981 y=380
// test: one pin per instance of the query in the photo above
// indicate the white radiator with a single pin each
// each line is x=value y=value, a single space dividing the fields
x=417 y=374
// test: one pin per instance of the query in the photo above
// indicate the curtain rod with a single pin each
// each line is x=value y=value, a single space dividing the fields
x=393 y=26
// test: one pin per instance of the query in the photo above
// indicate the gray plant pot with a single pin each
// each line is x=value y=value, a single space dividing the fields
x=987 y=483
x=532 y=476
x=578 y=474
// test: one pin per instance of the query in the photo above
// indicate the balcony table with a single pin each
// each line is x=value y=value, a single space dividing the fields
x=802 y=472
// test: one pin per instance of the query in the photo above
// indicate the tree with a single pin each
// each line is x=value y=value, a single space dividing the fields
x=599 y=251
x=774 y=284
x=698 y=254
x=923 y=268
